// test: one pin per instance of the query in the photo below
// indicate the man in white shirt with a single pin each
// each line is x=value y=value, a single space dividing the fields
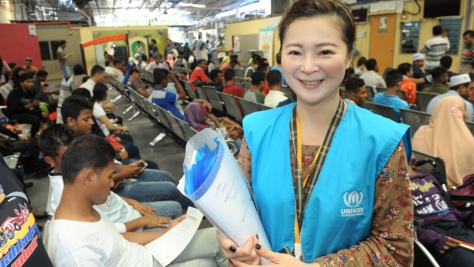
x=462 y=86
x=435 y=48
x=115 y=70
x=87 y=167
x=156 y=64
x=97 y=76
x=371 y=78
x=275 y=95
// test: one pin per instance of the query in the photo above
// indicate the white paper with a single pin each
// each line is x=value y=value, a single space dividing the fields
x=32 y=30
x=166 y=248
x=228 y=202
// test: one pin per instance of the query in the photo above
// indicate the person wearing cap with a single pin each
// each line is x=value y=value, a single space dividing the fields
x=462 y=86
x=418 y=74
x=467 y=54
x=440 y=78
x=434 y=48
x=29 y=67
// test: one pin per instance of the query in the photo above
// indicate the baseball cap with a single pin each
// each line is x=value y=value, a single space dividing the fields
x=418 y=56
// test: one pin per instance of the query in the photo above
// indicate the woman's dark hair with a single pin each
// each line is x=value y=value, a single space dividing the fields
x=16 y=76
x=314 y=8
x=82 y=92
x=78 y=70
x=361 y=61
x=99 y=92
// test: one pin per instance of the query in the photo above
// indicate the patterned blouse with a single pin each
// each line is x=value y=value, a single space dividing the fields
x=391 y=239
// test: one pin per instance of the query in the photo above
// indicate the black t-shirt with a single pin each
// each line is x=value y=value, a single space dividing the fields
x=17 y=99
x=418 y=73
x=20 y=242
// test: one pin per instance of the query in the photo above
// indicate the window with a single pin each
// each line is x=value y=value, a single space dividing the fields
x=44 y=50
x=453 y=25
x=410 y=37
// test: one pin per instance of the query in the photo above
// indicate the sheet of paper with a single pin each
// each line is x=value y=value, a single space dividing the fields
x=168 y=247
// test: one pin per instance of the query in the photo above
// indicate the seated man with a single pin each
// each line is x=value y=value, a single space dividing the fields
x=371 y=78
x=254 y=94
x=129 y=215
x=359 y=70
x=441 y=223
x=87 y=168
x=231 y=65
x=21 y=245
x=408 y=86
x=252 y=68
x=217 y=79
x=157 y=64
x=29 y=68
x=446 y=62
x=418 y=74
x=39 y=81
x=462 y=86
x=22 y=104
x=440 y=78
x=180 y=62
x=278 y=68
x=97 y=76
x=166 y=99
x=116 y=70
x=199 y=74
x=356 y=91
x=131 y=180
x=136 y=83
x=264 y=67
x=390 y=98
x=230 y=88
x=275 y=95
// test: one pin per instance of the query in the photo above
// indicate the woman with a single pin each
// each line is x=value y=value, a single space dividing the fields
x=359 y=212
x=448 y=137
x=16 y=76
x=170 y=60
x=197 y=115
x=76 y=80
x=109 y=51
x=99 y=95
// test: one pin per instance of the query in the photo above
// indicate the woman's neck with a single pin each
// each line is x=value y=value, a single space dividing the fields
x=315 y=119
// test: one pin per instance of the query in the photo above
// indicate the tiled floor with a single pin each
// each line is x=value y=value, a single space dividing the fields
x=168 y=153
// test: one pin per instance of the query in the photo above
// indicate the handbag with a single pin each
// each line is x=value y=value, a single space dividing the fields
x=233 y=128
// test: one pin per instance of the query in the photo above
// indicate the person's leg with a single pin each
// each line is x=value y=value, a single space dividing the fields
x=148 y=191
x=203 y=250
x=156 y=176
x=29 y=119
x=132 y=150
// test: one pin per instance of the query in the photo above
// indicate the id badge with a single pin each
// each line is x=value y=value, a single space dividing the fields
x=298 y=251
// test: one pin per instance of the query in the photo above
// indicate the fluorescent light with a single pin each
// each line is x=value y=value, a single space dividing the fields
x=191 y=5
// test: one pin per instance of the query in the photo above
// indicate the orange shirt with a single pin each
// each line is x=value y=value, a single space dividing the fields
x=409 y=87
x=198 y=75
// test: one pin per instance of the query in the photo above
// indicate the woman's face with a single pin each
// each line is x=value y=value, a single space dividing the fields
x=314 y=59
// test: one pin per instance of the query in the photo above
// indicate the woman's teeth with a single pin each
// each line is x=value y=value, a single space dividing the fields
x=313 y=82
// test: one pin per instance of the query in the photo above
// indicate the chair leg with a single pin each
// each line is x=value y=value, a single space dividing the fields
x=156 y=140
x=134 y=116
x=117 y=98
x=127 y=110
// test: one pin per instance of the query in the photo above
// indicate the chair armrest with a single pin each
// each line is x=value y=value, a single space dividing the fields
x=418 y=221
x=463 y=198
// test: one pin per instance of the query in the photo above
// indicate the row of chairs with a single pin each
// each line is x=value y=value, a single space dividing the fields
x=157 y=115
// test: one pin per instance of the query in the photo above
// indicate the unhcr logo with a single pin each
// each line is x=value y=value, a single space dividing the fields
x=353 y=201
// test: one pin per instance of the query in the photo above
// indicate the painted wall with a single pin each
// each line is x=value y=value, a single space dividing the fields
x=362 y=43
x=160 y=33
x=19 y=45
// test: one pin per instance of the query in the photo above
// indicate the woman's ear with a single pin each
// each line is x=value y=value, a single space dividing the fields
x=350 y=56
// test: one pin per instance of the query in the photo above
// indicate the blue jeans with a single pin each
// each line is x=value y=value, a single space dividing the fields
x=66 y=71
x=134 y=155
x=171 y=209
x=153 y=185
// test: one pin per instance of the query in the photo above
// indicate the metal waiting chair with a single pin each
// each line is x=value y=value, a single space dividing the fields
x=201 y=93
x=187 y=129
x=370 y=93
x=248 y=107
x=214 y=98
x=415 y=119
x=424 y=99
x=470 y=126
x=231 y=106
x=190 y=91
x=382 y=110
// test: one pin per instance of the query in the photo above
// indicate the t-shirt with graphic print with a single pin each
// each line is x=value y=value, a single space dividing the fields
x=20 y=241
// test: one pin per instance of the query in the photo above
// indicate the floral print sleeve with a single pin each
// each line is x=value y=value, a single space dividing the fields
x=391 y=240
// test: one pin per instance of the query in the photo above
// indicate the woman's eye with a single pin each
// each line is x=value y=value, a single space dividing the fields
x=296 y=53
x=326 y=52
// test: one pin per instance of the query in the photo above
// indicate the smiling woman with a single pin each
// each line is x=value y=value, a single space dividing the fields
x=338 y=194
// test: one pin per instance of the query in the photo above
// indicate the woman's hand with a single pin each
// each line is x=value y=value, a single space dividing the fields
x=246 y=253
x=451 y=243
x=207 y=105
x=142 y=208
x=153 y=221
x=276 y=259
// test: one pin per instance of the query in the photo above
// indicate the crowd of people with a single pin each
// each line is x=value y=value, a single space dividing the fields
x=102 y=187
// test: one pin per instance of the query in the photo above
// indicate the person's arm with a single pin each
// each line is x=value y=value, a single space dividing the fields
x=14 y=104
x=7 y=132
x=425 y=48
x=78 y=257
x=205 y=103
x=112 y=127
x=466 y=217
x=418 y=80
x=179 y=88
x=5 y=67
x=147 y=221
x=440 y=242
x=202 y=76
x=144 y=238
x=127 y=171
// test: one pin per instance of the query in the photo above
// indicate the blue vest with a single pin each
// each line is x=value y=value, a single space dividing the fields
x=339 y=210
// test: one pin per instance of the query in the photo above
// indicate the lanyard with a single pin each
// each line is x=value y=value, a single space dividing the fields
x=316 y=165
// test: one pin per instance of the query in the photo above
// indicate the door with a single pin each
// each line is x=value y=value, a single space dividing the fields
x=382 y=40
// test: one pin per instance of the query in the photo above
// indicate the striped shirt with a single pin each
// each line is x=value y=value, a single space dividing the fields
x=434 y=48
x=467 y=54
